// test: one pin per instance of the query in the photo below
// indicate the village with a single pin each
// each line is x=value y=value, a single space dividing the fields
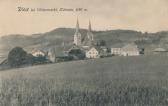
x=83 y=47
x=86 y=47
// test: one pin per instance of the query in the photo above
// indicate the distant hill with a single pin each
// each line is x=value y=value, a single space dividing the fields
x=57 y=36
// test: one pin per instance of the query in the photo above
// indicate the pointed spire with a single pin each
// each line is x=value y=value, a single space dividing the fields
x=90 y=27
x=77 y=26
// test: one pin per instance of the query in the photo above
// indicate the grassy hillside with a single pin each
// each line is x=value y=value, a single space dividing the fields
x=141 y=81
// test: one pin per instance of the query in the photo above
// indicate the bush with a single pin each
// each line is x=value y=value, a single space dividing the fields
x=17 y=57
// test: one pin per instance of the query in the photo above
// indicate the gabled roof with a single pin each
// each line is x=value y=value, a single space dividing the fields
x=100 y=50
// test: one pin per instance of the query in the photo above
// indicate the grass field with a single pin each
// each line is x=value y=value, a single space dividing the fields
x=116 y=81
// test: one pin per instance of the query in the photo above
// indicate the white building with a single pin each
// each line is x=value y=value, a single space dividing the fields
x=130 y=50
x=92 y=53
x=117 y=50
x=38 y=53
x=127 y=50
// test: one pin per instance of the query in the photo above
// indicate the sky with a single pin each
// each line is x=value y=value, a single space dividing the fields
x=140 y=15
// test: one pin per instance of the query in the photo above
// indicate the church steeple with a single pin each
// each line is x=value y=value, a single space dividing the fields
x=77 y=36
x=90 y=27
x=77 y=26
x=90 y=34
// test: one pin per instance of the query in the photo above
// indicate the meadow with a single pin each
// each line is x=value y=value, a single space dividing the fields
x=116 y=81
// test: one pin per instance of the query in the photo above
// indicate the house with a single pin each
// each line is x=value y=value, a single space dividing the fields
x=93 y=52
x=58 y=54
x=127 y=50
x=160 y=51
x=116 y=49
x=39 y=53
x=130 y=50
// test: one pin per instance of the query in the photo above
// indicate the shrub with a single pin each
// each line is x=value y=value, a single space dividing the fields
x=17 y=57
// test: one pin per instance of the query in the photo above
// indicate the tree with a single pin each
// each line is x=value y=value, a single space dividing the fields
x=17 y=57
x=77 y=54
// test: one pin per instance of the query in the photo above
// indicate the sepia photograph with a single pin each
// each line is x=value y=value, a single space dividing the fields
x=83 y=52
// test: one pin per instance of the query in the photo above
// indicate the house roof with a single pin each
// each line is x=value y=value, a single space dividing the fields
x=100 y=50
x=160 y=50
x=132 y=47
x=36 y=50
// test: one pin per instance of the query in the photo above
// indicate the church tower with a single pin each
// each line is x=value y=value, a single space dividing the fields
x=89 y=38
x=89 y=33
x=77 y=35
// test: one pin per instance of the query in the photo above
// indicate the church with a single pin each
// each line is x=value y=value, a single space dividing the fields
x=83 y=46
x=83 y=41
x=86 y=43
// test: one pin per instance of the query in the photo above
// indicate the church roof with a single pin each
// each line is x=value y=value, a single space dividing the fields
x=89 y=27
x=77 y=26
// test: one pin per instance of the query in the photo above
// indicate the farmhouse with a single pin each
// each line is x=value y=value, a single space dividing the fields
x=57 y=54
x=116 y=50
x=93 y=52
x=131 y=50
x=127 y=50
